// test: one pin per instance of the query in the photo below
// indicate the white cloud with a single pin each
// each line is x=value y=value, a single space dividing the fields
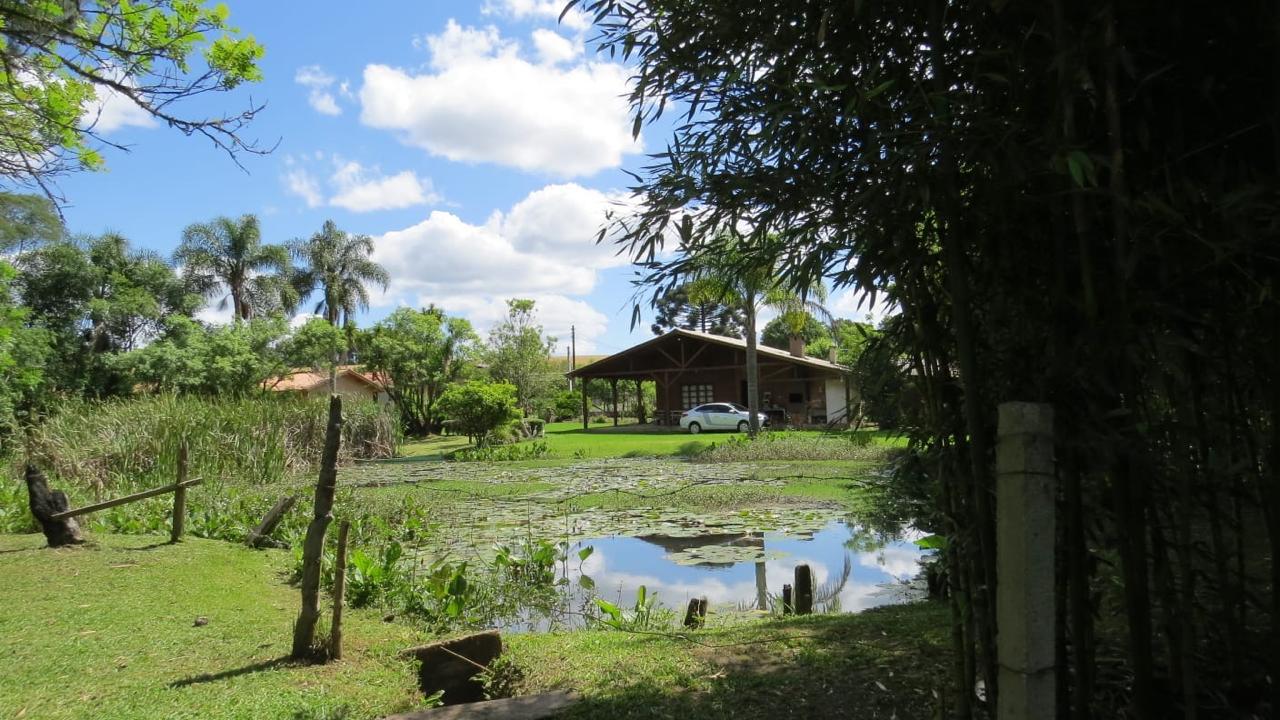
x=483 y=101
x=856 y=305
x=300 y=182
x=356 y=187
x=554 y=48
x=542 y=248
x=318 y=84
x=111 y=110
x=543 y=10
x=363 y=190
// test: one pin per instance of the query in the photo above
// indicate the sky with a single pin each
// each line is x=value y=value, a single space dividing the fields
x=480 y=143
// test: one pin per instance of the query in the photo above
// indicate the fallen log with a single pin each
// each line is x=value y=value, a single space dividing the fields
x=261 y=536
x=120 y=500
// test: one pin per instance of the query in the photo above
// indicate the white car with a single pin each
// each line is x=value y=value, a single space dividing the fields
x=719 y=416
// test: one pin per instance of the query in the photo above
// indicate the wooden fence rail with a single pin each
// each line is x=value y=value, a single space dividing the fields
x=126 y=499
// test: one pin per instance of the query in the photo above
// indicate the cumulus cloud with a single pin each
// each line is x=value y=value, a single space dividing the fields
x=542 y=248
x=856 y=305
x=111 y=110
x=357 y=188
x=554 y=48
x=318 y=84
x=538 y=10
x=482 y=101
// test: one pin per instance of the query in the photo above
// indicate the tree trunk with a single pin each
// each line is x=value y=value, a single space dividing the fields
x=313 y=546
x=753 y=371
x=45 y=503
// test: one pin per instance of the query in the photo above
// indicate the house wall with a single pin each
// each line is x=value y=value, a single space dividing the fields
x=805 y=399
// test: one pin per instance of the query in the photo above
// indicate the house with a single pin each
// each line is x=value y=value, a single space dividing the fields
x=691 y=368
x=351 y=384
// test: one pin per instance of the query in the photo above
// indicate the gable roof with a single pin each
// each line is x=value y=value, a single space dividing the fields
x=307 y=380
x=733 y=343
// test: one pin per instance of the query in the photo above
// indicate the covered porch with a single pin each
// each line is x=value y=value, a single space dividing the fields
x=690 y=368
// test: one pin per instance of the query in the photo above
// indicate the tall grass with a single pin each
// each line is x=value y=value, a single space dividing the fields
x=784 y=445
x=123 y=445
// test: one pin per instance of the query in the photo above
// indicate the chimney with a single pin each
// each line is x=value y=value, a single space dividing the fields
x=797 y=345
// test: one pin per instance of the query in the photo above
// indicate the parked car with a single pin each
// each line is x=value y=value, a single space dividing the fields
x=719 y=416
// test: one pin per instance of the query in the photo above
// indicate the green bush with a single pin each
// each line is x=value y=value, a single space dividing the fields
x=791 y=446
x=479 y=408
x=501 y=453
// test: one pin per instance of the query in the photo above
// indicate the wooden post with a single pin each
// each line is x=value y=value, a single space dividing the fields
x=585 y=425
x=262 y=534
x=695 y=616
x=614 y=387
x=180 y=497
x=786 y=600
x=304 y=631
x=1025 y=536
x=339 y=592
x=804 y=590
x=640 y=413
x=116 y=502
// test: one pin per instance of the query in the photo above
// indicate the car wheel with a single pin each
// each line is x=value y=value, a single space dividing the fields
x=744 y=426
x=694 y=428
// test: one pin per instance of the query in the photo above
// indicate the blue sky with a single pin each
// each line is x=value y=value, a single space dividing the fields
x=478 y=142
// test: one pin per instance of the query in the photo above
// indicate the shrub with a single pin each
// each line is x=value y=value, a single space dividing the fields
x=478 y=408
x=500 y=453
x=792 y=446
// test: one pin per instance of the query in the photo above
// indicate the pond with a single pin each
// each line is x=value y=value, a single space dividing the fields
x=740 y=573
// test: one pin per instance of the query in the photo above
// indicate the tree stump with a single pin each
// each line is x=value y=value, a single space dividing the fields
x=46 y=503
x=696 y=615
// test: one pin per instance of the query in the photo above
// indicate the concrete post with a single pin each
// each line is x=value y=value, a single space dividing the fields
x=1025 y=561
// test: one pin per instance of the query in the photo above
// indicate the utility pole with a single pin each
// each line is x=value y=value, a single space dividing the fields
x=573 y=341
x=568 y=362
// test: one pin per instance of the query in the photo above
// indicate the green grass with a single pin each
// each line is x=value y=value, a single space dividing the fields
x=882 y=663
x=567 y=440
x=107 y=631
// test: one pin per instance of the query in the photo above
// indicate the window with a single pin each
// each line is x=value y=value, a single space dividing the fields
x=694 y=395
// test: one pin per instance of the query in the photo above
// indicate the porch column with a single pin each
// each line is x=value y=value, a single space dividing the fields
x=584 y=382
x=613 y=385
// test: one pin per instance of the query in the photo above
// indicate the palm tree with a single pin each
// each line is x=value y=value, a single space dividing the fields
x=336 y=264
x=226 y=257
x=751 y=288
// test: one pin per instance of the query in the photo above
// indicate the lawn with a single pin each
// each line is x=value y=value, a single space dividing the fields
x=567 y=440
x=108 y=631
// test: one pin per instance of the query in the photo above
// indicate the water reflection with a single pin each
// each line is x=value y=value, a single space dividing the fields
x=852 y=571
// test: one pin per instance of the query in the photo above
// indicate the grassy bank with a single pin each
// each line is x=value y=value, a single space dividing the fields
x=107 y=631
x=567 y=440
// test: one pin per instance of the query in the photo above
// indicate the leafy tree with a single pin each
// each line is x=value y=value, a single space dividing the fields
x=421 y=352
x=97 y=296
x=60 y=57
x=22 y=358
x=477 y=408
x=779 y=331
x=674 y=309
x=520 y=354
x=233 y=359
x=27 y=221
x=225 y=257
x=1058 y=219
x=313 y=345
